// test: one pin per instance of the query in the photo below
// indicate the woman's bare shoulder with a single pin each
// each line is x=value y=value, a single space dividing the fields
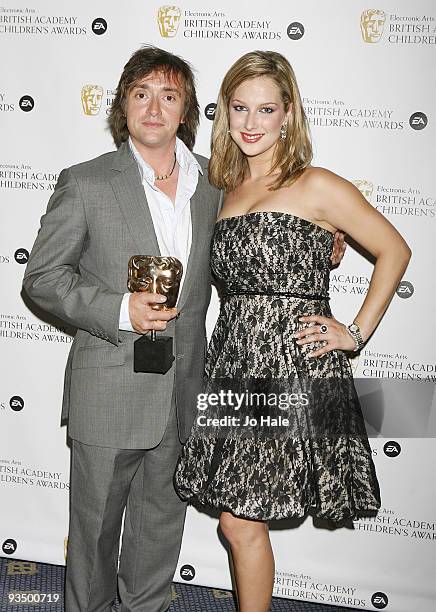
x=323 y=187
x=316 y=177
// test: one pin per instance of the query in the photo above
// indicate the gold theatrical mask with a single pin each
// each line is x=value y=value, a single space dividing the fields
x=156 y=275
x=162 y=275
x=168 y=18
x=92 y=95
x=372 y=22
x=365 y=187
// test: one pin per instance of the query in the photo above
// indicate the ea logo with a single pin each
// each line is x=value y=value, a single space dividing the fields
x=392 y=448
x=9 y=547
x=405 y=290
x=209 y=111
x=187 y=572
x=16 y=403
x=418 y=121
x=295 y=30
x=26 y=103
x=99 y=26
x=21 y=256
x=379 y=600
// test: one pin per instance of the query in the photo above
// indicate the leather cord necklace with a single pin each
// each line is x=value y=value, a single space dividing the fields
x=162 y=177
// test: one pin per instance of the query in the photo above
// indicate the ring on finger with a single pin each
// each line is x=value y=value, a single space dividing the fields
x=323 y=328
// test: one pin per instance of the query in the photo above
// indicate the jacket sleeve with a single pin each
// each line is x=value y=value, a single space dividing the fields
x=52 y=278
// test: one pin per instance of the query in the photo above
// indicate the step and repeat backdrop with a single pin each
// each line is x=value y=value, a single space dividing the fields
x=366 y=75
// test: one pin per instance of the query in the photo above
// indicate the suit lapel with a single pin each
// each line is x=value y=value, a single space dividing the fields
x=130 y=195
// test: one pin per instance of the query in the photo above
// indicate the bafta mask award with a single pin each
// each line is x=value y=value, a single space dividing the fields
x=155 y=275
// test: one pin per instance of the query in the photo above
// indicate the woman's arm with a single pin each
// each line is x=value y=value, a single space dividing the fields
x=339 y=203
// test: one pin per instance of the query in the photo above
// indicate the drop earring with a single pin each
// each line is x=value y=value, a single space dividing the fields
x=283 y=131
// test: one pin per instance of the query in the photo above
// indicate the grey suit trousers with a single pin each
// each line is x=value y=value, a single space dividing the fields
x=104 y=481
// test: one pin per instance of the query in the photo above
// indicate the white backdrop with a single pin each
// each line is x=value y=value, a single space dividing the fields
x=369 y=94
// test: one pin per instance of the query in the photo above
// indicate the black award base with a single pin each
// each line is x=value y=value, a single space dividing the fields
x=153 y=356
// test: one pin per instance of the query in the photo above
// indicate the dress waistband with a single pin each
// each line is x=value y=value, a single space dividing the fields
x=305 y=296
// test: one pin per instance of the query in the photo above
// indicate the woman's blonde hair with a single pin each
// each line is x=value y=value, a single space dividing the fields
x=228 y=165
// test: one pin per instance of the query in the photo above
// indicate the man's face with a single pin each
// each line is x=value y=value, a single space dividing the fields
x=154 y=110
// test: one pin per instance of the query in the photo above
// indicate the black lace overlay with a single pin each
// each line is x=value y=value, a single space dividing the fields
x=293 y=457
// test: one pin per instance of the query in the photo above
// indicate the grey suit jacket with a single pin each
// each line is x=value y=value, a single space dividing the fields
x=96 y=219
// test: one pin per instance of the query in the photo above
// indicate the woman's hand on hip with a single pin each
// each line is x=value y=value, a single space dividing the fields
x=324 y=329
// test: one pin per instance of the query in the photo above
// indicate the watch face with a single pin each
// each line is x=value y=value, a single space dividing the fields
x=353 y=327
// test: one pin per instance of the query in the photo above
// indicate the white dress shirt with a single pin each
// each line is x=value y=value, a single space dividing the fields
x=172 y=222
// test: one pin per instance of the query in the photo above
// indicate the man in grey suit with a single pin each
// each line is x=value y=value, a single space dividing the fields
x=149 y=197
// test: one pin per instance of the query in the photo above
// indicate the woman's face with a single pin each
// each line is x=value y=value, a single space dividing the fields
x=256 y=113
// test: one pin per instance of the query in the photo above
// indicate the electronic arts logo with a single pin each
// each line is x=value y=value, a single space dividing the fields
x=9 y=546
x=209 y=111
x=99 y=26
x=16 y=403
x=187 y=572
x=418 y=121
x=295 y=30
x=392 y=448
x=372 y=22
x=21 y=256
x=26 y=103
x=92 y=96
x=405 y=289
x=379 y=600
x=168 y=20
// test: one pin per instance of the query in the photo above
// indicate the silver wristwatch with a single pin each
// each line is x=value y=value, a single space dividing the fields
x=354 y=331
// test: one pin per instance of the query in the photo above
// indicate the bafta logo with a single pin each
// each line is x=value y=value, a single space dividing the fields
x=92 y=96
x=168 y=18
x=365 y=187
x=371 y=25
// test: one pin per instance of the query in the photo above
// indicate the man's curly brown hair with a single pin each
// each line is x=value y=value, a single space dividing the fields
x=143 y=62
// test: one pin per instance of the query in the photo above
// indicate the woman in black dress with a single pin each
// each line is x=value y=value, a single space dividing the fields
x=271 y=257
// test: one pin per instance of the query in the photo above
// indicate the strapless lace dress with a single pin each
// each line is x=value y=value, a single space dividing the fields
x=272 y=268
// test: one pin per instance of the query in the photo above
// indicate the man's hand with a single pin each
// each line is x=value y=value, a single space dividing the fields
x=143 y=318
x=339 y=246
